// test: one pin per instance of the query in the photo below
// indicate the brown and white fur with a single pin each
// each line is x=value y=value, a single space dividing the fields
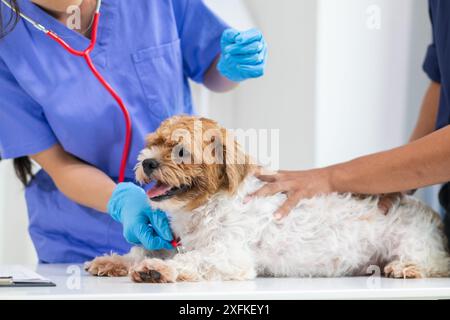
x=327 y=236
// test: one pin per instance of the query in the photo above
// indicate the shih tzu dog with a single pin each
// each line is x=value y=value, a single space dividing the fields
x=201 y=179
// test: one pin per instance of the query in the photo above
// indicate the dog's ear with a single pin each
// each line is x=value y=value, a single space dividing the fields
x=236 y=163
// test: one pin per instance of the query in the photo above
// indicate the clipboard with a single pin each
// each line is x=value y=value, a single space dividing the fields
x=19 y=276
x=8 y=282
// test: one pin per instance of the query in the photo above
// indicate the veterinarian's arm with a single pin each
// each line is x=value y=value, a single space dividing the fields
x=78 y=181
x=425 y=125
x=421 y=163
x=216 y=82
x=428 y=113
x=90 y=187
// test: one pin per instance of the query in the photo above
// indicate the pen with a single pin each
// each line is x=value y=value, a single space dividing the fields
x=6 y=281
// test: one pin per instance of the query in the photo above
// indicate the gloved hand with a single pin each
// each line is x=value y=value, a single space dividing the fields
x=129 y=206
x=244 y=55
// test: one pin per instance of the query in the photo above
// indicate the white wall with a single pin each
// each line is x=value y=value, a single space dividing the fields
x=370 y=81
x=420 y=39
x=362 y=78
x=417 y=80
x=284 y=99
x=226 y=107
x=335 y=88
x=15 y=243
x=236 y=13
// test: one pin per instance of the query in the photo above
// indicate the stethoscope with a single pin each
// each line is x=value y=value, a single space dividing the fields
x=86 y=55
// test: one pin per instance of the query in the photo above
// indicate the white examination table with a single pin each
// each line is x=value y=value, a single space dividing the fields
x=73 y=283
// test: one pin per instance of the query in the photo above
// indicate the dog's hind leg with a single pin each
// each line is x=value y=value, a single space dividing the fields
x=434 y=266
x=421 y=251
x=406 y=270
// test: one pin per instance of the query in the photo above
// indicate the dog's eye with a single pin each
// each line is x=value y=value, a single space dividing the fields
x=183 y=153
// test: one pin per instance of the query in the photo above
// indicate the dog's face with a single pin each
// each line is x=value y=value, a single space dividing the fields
x=190 y=159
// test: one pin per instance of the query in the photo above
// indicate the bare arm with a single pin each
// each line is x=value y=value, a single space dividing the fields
x=214 y=81
x=423 y=162
x=418 y=164
x=428 y=113
x=78 y=181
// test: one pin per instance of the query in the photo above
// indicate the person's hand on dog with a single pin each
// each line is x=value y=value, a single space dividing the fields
x=141 y=224
x=297 y=185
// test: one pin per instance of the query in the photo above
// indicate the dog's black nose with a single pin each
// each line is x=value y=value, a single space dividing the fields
x=149 y=165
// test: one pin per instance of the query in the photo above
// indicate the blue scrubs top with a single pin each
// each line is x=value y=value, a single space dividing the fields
x=437 y=61
x=147 y=50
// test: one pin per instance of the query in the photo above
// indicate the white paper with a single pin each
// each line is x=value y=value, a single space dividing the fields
x=21 y=274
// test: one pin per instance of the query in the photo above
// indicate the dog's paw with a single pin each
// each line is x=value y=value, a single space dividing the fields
x=108 y=266
x=401 y=270
x=153 y=271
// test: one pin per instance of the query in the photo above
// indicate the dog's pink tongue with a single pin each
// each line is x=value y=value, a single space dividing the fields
x=158 y=190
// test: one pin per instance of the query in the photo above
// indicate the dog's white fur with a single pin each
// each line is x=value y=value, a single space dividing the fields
x=329 y=236
x=332 y=235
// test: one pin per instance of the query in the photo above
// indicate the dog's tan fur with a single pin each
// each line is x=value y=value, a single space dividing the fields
x=111 y=266
x=204 y=177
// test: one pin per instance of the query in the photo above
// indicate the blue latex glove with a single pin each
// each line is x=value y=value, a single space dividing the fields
x=129 y=205
x=243 y=56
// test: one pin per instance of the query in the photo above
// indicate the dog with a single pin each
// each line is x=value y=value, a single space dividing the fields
x=327 y=236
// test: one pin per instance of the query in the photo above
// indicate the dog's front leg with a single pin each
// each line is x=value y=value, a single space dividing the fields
x=118 y=266
x=114 y=265
x=214 y=263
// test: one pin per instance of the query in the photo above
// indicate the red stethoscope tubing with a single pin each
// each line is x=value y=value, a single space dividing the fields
x=86 y=55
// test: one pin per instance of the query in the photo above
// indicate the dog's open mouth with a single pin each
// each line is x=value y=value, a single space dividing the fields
x=161 y=191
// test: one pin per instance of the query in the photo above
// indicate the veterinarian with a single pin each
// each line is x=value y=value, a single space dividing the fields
x=54 y=111
x=424 y=161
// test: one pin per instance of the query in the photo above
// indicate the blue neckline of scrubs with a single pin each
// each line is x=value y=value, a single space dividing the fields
x=75 y=39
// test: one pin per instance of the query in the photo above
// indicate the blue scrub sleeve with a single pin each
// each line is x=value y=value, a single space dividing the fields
x=200 y=31
x=24 y=129
x=431 y=63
